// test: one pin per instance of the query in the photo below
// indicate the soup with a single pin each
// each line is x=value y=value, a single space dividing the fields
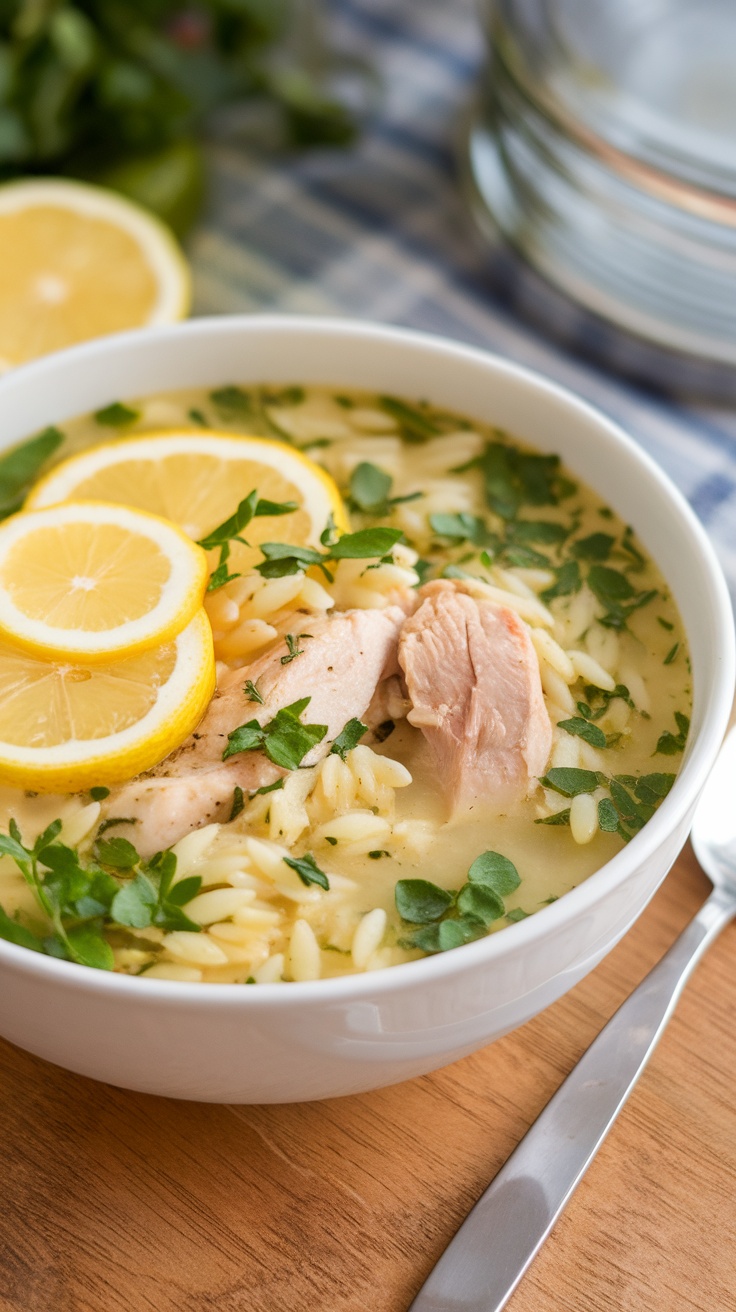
x=504 y=676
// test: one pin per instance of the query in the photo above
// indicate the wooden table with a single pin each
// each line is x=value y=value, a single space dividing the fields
x=118 y=1202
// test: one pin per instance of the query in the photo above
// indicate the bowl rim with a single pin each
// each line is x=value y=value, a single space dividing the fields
x=518 y=937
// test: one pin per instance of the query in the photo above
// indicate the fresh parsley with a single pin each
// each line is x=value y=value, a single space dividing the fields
x=348 y=738
x=292 y=647
x=308 y=871
x=669 y=744
x=230 y=531
x=450 y=918
x=281 y=558
x=284 y=740
x=117 y=415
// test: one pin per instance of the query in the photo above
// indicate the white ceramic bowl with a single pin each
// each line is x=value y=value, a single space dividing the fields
x=281 y=1043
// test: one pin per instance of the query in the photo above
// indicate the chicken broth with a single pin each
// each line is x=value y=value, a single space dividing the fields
x=503 y=693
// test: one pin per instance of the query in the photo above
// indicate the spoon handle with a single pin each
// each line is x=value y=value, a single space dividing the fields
x=485 y=1261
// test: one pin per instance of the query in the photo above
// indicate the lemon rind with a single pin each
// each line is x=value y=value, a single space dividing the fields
x=92 y=460
x=182 y=701
x=163 y=623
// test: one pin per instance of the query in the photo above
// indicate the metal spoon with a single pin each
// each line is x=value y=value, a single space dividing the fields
x=494 y=1246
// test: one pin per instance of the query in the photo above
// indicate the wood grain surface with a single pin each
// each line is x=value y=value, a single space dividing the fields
x=119 y=1202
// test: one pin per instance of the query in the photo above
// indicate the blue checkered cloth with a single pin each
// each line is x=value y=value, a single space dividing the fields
x=381 y=232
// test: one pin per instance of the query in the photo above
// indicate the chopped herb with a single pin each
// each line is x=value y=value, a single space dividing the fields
x=283 y=558
x=370 y=488
x=287 y=396
x=332 y=841
x=669 y=744
x=99 y=793
x=348 y=738
x=233 y=403
x=613 y=590
x=514 y=478
x=231 y=528
x=21 y=466
x=13 y=932
x=293 y=648
x=238 y=803
x=608 y=819
x=596 y=547
x=671 y=654
x=117 y=415
x=570 y=781
x=582 y=728
x=567 y=581
x=266 y=788
x=459 y=528
x=197 y=417
x=629 y=546
x=251 y=692
x=494 y=872
x=665 y=624
x=307 y=869
x=414 y=424
x=557 y=818
x=516 y=915
x=117 y=852
x=420 y=902
x=82 y=900
x=538 y=530
x=451 y=919
x=285 y=740
x=599 y=700
x=378 y=853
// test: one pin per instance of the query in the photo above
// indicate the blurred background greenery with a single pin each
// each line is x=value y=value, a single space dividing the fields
x=119 y=91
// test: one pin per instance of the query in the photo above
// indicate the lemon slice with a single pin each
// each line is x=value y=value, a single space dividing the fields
x=77 y=262
x=197 y=480
x=96 y=582
x=65 y=727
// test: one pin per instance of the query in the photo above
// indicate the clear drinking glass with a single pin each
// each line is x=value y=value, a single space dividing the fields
x=604 y=150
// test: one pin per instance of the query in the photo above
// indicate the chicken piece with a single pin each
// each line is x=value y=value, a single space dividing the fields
x=472 y=675
x=343 y=657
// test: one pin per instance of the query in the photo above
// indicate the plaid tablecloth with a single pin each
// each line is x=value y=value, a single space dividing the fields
x=381 y=232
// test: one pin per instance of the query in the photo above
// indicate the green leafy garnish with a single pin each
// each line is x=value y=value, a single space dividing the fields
x=20 y=467
x=671 y=654
x=266 y=788
x=281 y=558
x=514 y=478
x=238 y=803
x=582 y=728
x=415 y=425
x=617 y=595
x=568 y=580
x=292 y=647
x=348 y=738
x=370 y=488
x=284 y=740
x=570 y=781
x=81 y=899
x=99 y=793
x=308 y=871
x=453 y=918
x=608 y=817
x=669 y=744
x=460 y=527
x=230 y=531
x=516 y=915
x=117 y=415
x=557 y=818
x=251 y=692
x=596 y=547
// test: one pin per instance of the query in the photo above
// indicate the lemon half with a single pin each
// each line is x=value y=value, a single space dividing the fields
x=197 y=480
x=96 y=582
x=65 y=727
x=78 y=261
